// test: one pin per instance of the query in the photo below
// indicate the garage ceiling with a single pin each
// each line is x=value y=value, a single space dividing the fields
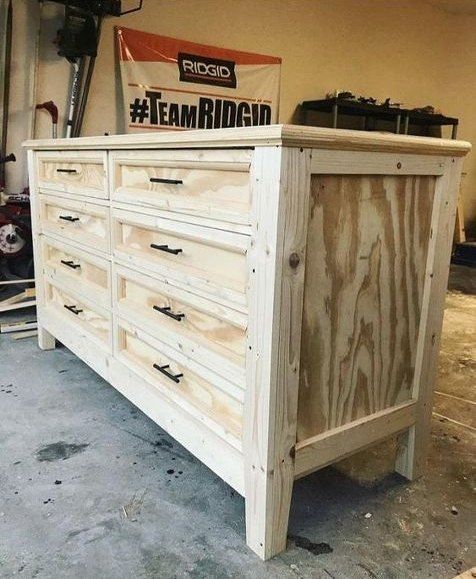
x=455 y=6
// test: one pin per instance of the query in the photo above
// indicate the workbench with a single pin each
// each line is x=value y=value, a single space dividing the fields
x=272 y=297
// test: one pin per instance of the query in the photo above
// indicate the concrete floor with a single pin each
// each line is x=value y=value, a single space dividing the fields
x=91 y=488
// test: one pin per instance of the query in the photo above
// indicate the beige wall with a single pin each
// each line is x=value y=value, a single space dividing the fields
x=411 y=51
x=22 y=83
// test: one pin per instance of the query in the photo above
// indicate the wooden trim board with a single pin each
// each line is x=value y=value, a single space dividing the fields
x=46 y=341
x=362 y=163
x=281 y=185
x=265 y=136
x=324 y=449
x=413 y=445
x=17 y=306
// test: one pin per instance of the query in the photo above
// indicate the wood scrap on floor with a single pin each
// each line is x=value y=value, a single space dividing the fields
x=469 y=574
x=23 y=335
x=24 y=299
x=23 y=325
x=17 y=281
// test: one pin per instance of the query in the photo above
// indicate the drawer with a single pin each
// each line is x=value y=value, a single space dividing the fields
x=202 y=329
x=84 y=173
x=211 y=184
x=81 y=271
x=82 y=315
x=81 y=221
x=207 y=259
x=203 y=394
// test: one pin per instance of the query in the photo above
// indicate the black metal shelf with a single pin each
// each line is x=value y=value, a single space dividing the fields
x=401 y=117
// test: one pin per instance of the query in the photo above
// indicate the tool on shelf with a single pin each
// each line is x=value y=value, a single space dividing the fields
x=370 y=110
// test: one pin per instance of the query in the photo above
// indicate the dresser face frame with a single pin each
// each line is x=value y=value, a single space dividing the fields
x=346 y=240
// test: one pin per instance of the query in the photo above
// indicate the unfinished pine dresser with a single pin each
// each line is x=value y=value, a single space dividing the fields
x=271 y=296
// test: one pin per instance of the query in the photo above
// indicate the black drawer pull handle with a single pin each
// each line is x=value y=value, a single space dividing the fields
x=66 y=171
x=166 y=248
x=69 y=218
x=166 y=311
x=73 y=310
x=70 y=264
x=163 y=370
x=168 y=181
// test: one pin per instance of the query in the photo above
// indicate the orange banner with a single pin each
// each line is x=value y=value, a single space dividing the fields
x=171 y=84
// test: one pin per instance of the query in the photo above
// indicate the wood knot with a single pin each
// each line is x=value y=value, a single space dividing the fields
x=294 y=260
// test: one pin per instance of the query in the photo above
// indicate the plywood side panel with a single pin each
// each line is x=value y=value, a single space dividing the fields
x=365 y=266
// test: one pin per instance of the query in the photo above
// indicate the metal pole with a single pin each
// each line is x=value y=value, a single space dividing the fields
x=5 y=96
x=335 y=110
x=74 y=97
x=78 y=122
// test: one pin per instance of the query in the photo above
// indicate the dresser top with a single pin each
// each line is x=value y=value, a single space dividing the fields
x=262 y=136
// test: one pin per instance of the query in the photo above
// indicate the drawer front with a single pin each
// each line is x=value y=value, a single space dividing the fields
x=82 y=315
x=203 y=330
x=81 y=271
x=208 y=259
x=211 y=184
x=83 y=173
x=81 y=221
x=209 y=398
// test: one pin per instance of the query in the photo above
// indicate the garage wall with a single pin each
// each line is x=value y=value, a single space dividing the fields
x=411 y=51
x=22 y=88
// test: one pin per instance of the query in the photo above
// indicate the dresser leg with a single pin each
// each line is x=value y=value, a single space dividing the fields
x=46 y=341
x=267 y=515
x=412 y=450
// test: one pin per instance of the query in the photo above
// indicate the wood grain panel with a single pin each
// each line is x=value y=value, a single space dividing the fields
x=366 y=258
x=90 y=319
x=72 y=268
x=213 y=190
x=202 y=326
x=266 y=136
x=211 y=259
x=81 y=221
x=206 y=397
x=83 y=174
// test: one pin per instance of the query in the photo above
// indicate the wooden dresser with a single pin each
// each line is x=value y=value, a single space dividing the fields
x=272 y=296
